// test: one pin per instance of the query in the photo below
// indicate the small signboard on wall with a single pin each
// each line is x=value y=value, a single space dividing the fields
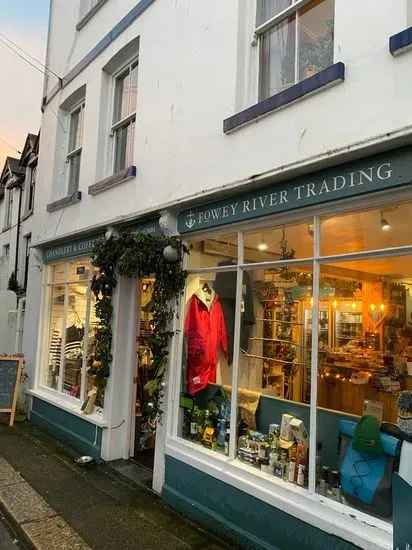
x=10 y=374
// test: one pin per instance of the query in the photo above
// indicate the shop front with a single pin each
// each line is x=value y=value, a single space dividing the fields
x=66 y=400
x=295 y=323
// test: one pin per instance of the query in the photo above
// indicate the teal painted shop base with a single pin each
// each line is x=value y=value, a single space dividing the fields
x=77 y=433
x=242 y=518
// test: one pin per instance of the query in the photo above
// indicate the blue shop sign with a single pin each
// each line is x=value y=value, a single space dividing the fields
x=377 y=173
x=85 y=246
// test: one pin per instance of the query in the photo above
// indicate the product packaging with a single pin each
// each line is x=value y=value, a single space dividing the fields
x=88 y=404
x=373 y=408
x=286 y=432
x=299 y=431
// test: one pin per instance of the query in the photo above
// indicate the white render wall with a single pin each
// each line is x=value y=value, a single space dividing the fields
x=194 y=72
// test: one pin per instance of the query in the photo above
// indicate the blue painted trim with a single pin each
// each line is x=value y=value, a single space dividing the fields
x=200 y=513
x=79 y=434
x=333 y=74
x=401 y=42
x=226 y=510
x=100 y=47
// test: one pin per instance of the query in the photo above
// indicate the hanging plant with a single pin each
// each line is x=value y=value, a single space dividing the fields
x=139 y=256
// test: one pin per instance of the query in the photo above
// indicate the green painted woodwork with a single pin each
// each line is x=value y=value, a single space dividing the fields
x=77 y=433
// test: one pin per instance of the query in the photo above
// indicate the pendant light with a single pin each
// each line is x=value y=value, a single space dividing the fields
x=385 y=225
x=262 y=246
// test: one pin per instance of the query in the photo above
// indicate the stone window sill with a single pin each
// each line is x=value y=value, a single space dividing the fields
x=65 y=201
x=323 y=79
x=401 y=42
x=89 y=14
x=27 y=215
x=112 y=181
x=6 y=228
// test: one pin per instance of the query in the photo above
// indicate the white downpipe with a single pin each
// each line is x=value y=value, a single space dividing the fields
x=21 y=307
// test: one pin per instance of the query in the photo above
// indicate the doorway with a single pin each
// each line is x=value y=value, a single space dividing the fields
x=145 y=430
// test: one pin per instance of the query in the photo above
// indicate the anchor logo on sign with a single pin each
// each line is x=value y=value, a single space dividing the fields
x=190 y=220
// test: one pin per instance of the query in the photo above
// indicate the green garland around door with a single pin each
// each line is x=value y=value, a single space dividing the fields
x=138 y=255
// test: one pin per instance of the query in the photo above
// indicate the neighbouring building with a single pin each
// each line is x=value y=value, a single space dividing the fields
x=275 y=137
x=17 y=188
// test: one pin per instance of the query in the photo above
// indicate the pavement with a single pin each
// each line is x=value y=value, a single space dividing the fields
x=54 y=504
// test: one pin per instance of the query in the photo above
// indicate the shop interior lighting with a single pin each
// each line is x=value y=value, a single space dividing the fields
x=382 y=307
x=353 y=305
x=335 y=304
x=262 y=246
x=385 y=225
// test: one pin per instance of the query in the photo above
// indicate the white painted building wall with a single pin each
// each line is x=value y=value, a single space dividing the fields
x=197 y=66
x=193 y=62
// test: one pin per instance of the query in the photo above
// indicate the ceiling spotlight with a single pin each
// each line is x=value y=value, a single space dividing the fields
x=385 y=225
x=262 y=246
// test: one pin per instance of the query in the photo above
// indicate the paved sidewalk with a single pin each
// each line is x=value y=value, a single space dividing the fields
x=104 y=511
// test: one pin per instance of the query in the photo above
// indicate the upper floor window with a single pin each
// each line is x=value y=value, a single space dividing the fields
x=9 y=208
x=86 y=6
x=124 y=116
x=31 y=190
x=296 y=41
x=75 y=143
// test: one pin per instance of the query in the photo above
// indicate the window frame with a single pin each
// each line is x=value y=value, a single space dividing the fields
x=86 y=6
x=8 y=209
x=49 y=284
x=125 y=122
x=27 y=245
x=76 y=151
x=31 y=189
x=265 y=487
x=262 y=28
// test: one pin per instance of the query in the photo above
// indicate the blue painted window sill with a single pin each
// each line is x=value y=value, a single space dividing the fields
x=323 y=79
x=401 y=42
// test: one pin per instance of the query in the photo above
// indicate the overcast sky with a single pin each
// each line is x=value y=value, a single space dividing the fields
x=25 y=23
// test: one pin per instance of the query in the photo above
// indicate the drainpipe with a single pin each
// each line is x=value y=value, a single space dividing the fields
x=16 y=262
x=18 y=343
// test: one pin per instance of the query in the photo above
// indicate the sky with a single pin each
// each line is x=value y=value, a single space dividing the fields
x=25 y=23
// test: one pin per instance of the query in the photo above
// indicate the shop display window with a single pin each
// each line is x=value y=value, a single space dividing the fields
x=72 y=326
x=316 y=350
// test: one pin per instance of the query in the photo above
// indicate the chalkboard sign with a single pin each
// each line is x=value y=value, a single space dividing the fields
x=10 y=373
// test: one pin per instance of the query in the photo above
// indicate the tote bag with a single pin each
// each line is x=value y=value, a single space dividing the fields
x=366 y=479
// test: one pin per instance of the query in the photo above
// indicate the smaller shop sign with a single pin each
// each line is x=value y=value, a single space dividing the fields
x=85 y=246
x=10 y=374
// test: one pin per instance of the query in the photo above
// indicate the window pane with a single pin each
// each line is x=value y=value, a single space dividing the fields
x=58 y=273
x=121 y=148
x=216 y=251
x=270 y=8
x=207 y=356
x=74 y=336
x=79 y=270
x=361 y=372
x=272 y=368
x=54 y=343
x=74 y=173
x=384 y=227
x=315 y=31
x=76 y=129
x=130 y=144
x=279 y=243
x=133 y=88
x=278 y=58
x=122 y=106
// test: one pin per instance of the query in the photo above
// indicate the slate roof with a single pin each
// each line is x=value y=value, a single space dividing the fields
x=15 y=166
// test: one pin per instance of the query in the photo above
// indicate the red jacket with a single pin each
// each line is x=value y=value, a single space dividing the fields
x=205 y=330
